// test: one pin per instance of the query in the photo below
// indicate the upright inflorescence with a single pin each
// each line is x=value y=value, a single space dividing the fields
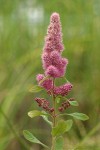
x=54 y=64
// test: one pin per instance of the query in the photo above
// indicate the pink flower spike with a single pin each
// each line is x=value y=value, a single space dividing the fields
x=53 y=40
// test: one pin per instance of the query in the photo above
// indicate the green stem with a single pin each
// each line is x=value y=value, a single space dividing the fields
x=45 y=146
x=54 y=115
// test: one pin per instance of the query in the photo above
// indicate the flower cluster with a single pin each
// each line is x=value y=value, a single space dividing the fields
x=44 y=104
x=53 y=64
x=65 y=105
x=63 y=89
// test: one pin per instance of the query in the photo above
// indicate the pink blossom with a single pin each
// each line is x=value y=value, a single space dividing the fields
x=55 y=58
x=64 y=62
x=63 y=89
x=39 y=77
x=46 y=61
x=52 y=71
x=47 y=83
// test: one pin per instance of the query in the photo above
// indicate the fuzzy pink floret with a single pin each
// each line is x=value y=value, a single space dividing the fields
x=46 y=61
x=64 y=62
x=47 y=84
x=55 y=58
x=55 y=17
x=52 y=71
x=39 y=77
x=63 y=89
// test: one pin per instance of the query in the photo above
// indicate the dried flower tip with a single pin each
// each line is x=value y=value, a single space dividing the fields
x=61 y=109
x=51 y=110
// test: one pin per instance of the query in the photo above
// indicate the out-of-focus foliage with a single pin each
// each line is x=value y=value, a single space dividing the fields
x=23 y=25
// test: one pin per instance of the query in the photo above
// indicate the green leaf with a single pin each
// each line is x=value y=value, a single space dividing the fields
x=59 y=143
x=79 y=116
x=30 y=137
x=46 y=119
x=69 y=124
x=73 y=103
x=35 y=113
x=62 y=127
x=43 y=114
x=35 y=89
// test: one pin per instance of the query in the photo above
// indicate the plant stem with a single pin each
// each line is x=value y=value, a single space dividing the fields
x=54 y=115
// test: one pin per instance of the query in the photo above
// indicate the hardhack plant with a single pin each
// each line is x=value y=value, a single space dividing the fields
x=54 y=66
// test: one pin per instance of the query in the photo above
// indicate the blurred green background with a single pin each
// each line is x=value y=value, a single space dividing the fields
x=23 y=25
